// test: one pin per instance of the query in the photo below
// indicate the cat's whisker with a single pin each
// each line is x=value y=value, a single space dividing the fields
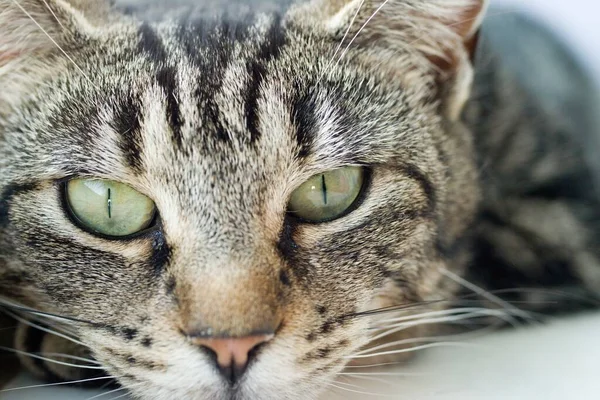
x=485 y=294
x=57 y=384
x=120 y=396
x=347 y=383
x=54 y=15
x=549 y=292
x=332 y=59
x=106 y=393
x=8 y=328
x=430 y=314
x=17 y=307
x=50 y=324
x=460 y=319
x=127 y=391
x=107 y=384
x=440 y=320
x=44 y=329
x=415 y=348
x=50 y=360
x=466 y=299
x=450 y=311
x=370 y=379
x=386 y=379
x=391 y=309
x=370 y=366
x=360 y=31
x=336 y=386
x=55 y=43
x=433 y=339
x=70 y=357
x=514 y=302
x=391 y=374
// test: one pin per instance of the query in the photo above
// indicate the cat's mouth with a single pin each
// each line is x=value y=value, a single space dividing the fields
x=233 y=356
x=284 y=364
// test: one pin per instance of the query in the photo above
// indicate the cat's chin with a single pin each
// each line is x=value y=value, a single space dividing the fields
x=250 y=390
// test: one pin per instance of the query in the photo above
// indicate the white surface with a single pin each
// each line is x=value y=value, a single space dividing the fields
x=560 y=361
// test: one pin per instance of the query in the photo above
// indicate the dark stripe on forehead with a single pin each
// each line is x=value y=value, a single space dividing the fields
x=210 y=46
x=167 y=80
x=305 y=121
x=275 y=39
x=212 y=121
x=127 y=123
x=252 y=91
x=270 y=49
x=150 y=43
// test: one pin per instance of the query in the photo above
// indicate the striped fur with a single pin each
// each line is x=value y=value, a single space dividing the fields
x=219 y=119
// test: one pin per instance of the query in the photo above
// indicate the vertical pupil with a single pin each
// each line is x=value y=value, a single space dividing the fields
x=109 y=204
x=324 y=186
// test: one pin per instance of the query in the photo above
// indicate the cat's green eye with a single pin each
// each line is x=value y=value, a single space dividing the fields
x=109 y=208
x=327 y=196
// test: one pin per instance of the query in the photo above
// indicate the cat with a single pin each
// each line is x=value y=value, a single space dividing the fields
x=207 y=201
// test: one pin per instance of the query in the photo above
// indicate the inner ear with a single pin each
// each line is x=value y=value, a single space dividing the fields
x=436 y=38
x=465 y=22
x=446 y=33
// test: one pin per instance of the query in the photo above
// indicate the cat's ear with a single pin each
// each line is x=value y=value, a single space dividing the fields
x=34 y=28
x=434 y=37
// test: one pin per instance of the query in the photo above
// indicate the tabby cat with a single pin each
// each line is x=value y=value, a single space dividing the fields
x=231 y=201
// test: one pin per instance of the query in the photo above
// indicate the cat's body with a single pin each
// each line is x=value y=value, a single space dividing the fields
x=219 y=124
x=534 y=112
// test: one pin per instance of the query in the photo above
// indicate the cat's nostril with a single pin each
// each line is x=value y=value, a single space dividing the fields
x=232 y=355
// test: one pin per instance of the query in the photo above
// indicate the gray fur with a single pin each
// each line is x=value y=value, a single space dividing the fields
x=218 y=117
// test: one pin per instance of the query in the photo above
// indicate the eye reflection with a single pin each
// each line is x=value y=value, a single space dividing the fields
x=327 y=196
x=109 y=208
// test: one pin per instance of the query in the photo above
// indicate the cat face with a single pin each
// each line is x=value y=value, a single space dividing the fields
x=218 y=124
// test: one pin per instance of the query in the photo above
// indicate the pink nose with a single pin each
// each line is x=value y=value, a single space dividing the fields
x=233 y=354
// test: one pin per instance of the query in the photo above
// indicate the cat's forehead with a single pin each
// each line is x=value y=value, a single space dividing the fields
x=216 y=90
x=218 y=104
x=235 y=89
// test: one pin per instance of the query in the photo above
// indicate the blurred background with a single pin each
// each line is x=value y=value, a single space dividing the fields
x=576 y=20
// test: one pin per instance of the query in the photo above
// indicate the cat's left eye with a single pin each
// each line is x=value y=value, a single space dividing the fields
x=328 y=196
x=109 y=208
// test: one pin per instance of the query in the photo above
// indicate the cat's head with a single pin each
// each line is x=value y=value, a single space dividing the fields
x=246 y=188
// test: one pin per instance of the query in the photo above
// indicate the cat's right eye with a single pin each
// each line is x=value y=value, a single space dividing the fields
x=109 y=208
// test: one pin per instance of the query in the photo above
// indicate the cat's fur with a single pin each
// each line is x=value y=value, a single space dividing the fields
x=218 y=122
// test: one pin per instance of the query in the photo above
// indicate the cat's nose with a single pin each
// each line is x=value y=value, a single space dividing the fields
x=232 y=355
